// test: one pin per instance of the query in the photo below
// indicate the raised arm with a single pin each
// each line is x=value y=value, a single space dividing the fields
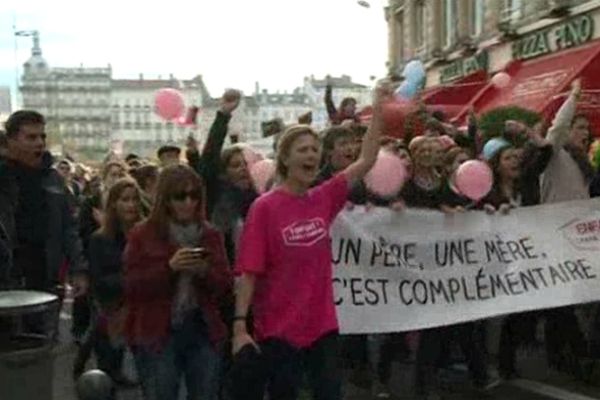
x=472 y=130
x=558 y=134
x=211 y=154
x=208 y=165
x=371 y=141
x=331 y=110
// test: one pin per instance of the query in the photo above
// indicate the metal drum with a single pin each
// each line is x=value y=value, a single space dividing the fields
x=28 y=323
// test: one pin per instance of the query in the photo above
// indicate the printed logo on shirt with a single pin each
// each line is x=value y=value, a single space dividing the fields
x=305 y=233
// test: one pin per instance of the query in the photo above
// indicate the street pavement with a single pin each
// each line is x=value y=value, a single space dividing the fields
x=537 y=383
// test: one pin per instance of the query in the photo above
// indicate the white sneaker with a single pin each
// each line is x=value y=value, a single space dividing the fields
x=381 y=391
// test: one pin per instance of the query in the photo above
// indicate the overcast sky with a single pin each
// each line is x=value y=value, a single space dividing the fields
x=232 y=43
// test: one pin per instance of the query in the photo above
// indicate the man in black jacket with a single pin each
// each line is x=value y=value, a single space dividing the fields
x=34 y=211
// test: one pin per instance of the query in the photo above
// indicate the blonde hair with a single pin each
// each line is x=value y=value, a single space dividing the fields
x=284 y=145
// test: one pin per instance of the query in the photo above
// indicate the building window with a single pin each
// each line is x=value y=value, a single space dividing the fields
x=419 y=27
x=477 y=17
x=399 y=36
x=450 y=24
x=511 y=10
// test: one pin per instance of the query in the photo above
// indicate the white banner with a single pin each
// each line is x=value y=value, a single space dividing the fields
x=419 y=269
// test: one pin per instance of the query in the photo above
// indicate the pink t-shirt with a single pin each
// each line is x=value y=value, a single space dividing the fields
x=286 y=244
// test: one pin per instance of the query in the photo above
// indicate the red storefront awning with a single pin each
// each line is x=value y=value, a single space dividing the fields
x=451 y=98
x=540 y=84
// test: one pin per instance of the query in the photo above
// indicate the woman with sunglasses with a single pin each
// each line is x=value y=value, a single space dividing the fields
x=285 y=270
x=176 y=276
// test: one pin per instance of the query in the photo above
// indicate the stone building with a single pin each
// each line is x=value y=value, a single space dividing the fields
x=541 y=44
x=5 y=104
x=440 y=31
x=133 y=121
x=75 y=101
x=342 y=86
x=89 y=112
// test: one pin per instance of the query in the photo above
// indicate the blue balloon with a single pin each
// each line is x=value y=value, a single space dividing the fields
x=414 y=72
x=407 y=89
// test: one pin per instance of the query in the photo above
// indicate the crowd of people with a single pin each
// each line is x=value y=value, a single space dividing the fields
x=185 y=264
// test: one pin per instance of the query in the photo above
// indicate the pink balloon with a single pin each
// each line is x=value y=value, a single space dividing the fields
x=501 y=80
x=474 y=179
x=251 y=156
x=262 y=173
x=387 y=176
x=169 y=104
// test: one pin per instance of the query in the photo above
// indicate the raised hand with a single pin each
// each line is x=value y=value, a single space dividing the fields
x=536 y=135
x=191 y=144
x=230 y=100
x=576 y=86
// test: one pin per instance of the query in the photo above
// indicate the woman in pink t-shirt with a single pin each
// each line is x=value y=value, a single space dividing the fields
x=284 y=263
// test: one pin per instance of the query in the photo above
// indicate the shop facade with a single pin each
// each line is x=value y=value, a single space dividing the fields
x=541 y=47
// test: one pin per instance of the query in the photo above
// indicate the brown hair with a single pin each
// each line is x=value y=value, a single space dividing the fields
x=332 y=135
x=452 y=153
x=285 y=143
x=174 y=179
x=347 y=101
x=111 y=223
x=228 y=154
x=106 y=168
x=144 y=174
x=21 y=118
x=577 y=117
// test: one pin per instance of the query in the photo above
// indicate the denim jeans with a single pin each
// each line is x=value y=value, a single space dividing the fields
x=188 y=354
x=279 y=371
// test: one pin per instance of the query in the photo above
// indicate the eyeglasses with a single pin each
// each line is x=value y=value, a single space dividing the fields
x=181 y=196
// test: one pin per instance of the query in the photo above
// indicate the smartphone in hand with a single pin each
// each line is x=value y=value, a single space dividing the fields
x=200 y=252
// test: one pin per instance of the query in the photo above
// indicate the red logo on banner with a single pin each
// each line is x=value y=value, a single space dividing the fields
x=583 y=234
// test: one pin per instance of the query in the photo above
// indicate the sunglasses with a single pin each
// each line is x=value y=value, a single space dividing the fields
x=181 y=196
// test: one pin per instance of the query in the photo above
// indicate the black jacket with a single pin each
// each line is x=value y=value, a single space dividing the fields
x=87 y=222
x=106 y=268
x=535 y=161
x=358 y=194
x=61 y=238
x=226 y=203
